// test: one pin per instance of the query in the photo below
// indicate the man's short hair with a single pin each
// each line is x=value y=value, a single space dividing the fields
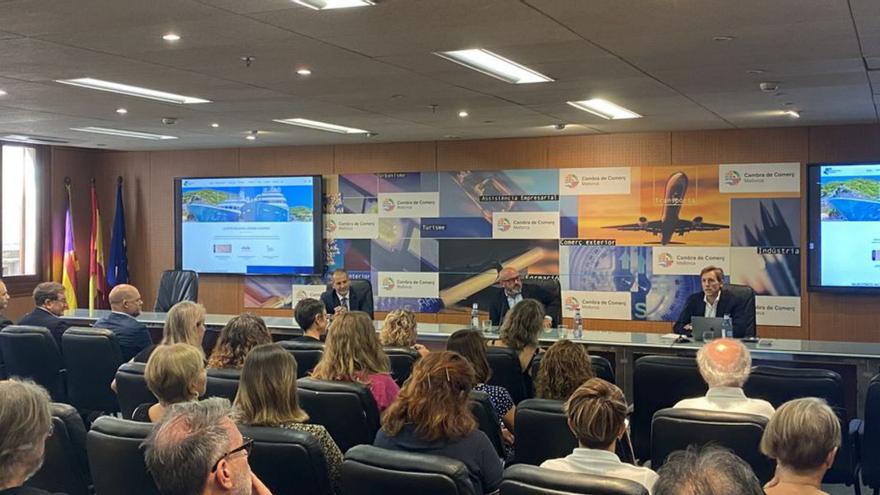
x=719 y=273
x=306 y=311
x=338 y=271
x=47 y=291
x=25 y=419
x=706 y=471
x=724 y=374
x=596 y=412
x=801 y=434
x=186 y=443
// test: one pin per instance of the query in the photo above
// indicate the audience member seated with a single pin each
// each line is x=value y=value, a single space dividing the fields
x=184 y=324
x=352 y=354
x=596 y=414
x=803 y=437
x=51 y=302
x=725 y=365
x=715 y=301
x=564 y=367
x=520 y=332
x=311 y=316
x=513 y=292
x=399 y=330
x=267 y=397
x=125 y=305
x=175 y=373
x=4 y=301
x=197 y=449
x=341 y=298
x=241 y=334
x=706 y=471
x=472 y=346
x=432 y=416
x=25 y=423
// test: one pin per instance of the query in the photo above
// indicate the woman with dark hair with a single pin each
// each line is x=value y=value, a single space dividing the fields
x=241 y=334
x=564 y=367
x=520 y=331
x=432 y=416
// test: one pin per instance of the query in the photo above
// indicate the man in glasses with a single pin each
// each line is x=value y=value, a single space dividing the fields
x=51 y=303
x=25 y=423
x=196 y=448
x=513 y=291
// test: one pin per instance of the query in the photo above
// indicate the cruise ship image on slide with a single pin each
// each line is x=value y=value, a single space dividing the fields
x=225 y=211
x=268 y=206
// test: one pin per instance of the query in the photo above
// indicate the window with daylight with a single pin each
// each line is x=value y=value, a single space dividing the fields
x=19 y=211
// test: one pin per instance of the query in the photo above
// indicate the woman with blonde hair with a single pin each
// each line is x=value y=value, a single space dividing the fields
x=399 y=330
x=175 y=373
x=267 y=397
x=352 y=354
x=184 y=323
x=432 y=416
x=238 y=337
x=520 y=329
x=564 y=367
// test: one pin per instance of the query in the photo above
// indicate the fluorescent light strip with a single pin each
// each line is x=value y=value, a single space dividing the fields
x=123 y=133
x=494 y=65
x=321 y=126
x=605 y=109
x=125 y=89
x=20 y=138
x=334 y=4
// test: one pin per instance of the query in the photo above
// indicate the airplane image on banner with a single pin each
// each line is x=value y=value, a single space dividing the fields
x=669 y=223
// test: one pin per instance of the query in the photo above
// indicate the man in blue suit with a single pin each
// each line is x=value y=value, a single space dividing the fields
x=51 y=302
x=133 y=336
x=341 y=298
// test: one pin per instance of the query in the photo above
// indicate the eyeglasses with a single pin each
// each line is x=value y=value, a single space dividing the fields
x=247 y=446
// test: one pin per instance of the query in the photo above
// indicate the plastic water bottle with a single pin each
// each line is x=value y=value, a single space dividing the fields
x=726 y=327
x=475 y=316
x=578 y=325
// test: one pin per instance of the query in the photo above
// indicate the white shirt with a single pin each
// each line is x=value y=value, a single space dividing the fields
x=602 y=463
x=513 y=300
x=711 y=307
x=347 y=297
x=728 y=399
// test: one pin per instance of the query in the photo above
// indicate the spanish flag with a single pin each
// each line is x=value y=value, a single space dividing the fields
x=70 y=264
x=97 y=278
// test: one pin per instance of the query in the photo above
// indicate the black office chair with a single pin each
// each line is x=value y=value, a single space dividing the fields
x=131 y=388
x=676 y=429
x=31 y=352
x=507 y=372
x=222 y=382
x=307 y=355
x=91 y=356
x=369 y=470
x=553 y=290
x=871 y=437
x=660 y=382
x=65 y=463
x=601 y=367
x=488 y=422
x=176 y=286
x=116 y=458
x=402 y=361
x=288 y=460
x=523 y=479
x=745 y=301
x=542 y=432
x=348 y=410
x=364 y=289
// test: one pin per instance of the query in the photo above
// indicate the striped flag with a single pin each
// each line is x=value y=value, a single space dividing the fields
x=97 y=278
x=70 y=264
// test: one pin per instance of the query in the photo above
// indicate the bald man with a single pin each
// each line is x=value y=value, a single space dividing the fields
x=133 y=336
x=513 y=291
x=725 y=365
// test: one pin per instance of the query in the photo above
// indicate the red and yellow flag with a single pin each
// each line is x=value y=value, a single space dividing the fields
x=97 y=276
x=70 y=264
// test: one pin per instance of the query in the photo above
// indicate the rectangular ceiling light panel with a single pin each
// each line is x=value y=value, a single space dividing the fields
x=123 y=133
x=334 y=4
x=126 y=89
x=605 y=109
x=321 y=126
x=494 y=65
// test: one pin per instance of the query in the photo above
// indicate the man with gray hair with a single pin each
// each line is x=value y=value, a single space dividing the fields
x=51 y=302
x=25 y=423
x=196 y=449
x=725 y=365
x=706 y=471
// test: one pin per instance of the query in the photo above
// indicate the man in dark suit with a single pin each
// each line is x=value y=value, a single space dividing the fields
x=51 y=302
x=715 y=302
x=133 y=336
x=311 y=316
x=513 y=291
x=4 y=301
x=341 y=298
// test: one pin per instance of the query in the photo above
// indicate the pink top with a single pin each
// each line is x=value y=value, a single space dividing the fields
x=383 y=388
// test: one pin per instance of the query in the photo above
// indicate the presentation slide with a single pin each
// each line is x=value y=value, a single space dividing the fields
x=251 y=225
x=849 y=225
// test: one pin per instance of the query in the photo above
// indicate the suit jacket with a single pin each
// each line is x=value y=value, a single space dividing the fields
x=499 y=306
x=728 y=303
x=132 y=335
x=356 y=301
x=42 y=318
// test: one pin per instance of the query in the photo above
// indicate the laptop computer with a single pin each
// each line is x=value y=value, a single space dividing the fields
x=705 y=329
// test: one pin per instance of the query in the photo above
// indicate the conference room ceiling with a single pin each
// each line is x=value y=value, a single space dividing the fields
x=373 y=67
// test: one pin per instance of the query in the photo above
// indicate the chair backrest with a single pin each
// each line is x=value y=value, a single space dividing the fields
x=131 y=388
x=676 y=429
x=487 y=420
x=871 y=436
x=348 y=410
x=307 y=355
x=507 y=373
x=368 y=470
x=65 y=464
x=402 y=361
x=116 y=457
x=91 y=357
x=176 y=286
x=746 y=298
x=523 y=479
x=660 y=382
x=31 y=352
x=552 y=288
x=364 y=289
x=542 y=432
x=222 y=382
x=288 y=460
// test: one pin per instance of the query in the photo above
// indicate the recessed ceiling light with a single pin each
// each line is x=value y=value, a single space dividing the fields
x=126 y=89
x=494 y=65
x=121 y=111
x=793 y=114
x=463 y=114
x=723 y=38
x=755 y=71
x=171 y=37
x=21 y=138
x=334 y=4
x=251 y=137
x=2 y=93
x=604 y=109
x=123 y=133
x=215 y=125
x=304 y=72
x=322 y=126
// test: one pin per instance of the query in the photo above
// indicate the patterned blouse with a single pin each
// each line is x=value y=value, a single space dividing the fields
x=500 y=398
x=331 y=450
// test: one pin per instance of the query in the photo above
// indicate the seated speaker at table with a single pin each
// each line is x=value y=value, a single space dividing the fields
x=717 y=300
x=513 y=291
x=345 y=296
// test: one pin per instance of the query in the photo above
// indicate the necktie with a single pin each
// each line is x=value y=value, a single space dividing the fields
x=344 y=302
